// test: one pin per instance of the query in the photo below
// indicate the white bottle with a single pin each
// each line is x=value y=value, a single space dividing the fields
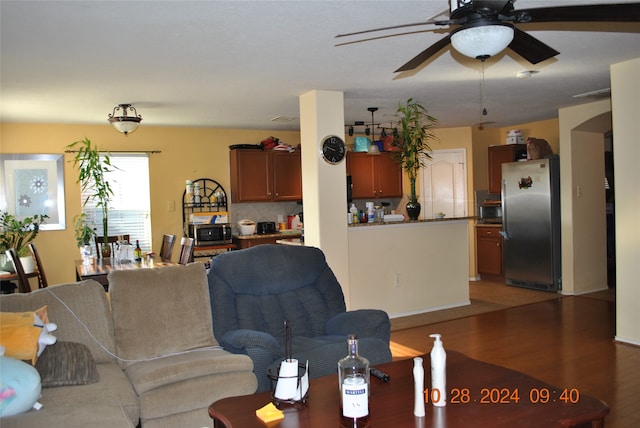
x=438 y=373
x=354 y=213
x=418 y=387
x=370 y=212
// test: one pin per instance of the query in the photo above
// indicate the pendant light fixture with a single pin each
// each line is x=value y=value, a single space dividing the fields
x=125 y=123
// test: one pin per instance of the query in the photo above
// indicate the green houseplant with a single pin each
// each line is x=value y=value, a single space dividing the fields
x=84 y=234
x=91 y=175
x=17 y=234
x=413 y=142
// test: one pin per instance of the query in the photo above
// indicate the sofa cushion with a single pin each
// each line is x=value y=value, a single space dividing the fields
x=66 y=363
x=157 y=312
x=155 y=373
x=112 y=390
x=80 y=310
x=93 y=415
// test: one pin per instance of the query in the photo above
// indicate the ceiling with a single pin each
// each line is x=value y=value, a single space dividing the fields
x=239 y=64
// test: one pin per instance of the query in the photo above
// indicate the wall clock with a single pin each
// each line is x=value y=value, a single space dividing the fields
x=333 y=149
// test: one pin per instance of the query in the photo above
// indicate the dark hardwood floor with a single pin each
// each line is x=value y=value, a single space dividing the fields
x=567 y=342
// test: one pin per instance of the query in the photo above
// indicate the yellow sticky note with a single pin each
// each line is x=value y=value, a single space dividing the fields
x=269 y=413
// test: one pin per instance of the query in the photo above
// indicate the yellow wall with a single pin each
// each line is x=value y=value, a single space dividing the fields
x=482 y=139
x=187 y=153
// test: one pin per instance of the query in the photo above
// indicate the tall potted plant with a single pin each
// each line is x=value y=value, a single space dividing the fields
x=17 y=234
x=91 y=176
x=412 y=141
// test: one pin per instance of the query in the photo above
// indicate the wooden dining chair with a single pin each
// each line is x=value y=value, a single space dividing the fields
x=186 y=251
x=167 y=247
x=112 y=240
x=23 y=281
x=42 y=278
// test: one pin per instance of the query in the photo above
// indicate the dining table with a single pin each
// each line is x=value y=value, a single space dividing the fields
x=9 y=280
x=98 y=269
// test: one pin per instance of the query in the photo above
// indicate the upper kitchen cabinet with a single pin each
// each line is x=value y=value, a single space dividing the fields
x=499 y=155
x=265 y=176
x=378 y=176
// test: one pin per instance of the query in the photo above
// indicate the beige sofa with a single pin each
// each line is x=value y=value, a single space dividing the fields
x=169 y=367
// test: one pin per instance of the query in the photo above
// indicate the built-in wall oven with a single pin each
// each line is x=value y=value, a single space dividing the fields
x=491 y=212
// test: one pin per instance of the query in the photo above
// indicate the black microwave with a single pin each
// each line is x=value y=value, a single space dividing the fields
x=210 y=234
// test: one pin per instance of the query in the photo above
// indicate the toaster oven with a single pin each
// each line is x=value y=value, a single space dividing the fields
x=205 y=235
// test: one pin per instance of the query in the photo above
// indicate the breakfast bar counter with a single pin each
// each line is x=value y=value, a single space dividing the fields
x=409 y=267
x=248 y=241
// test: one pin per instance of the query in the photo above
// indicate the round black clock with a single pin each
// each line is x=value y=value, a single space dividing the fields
x=333 y=149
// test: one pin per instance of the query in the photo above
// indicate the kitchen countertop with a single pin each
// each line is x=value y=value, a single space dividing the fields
x=290 y=241
x=292 y=234
x=426 y=220
x=496 y=225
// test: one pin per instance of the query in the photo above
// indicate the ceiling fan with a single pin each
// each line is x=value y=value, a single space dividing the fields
x=483 y=28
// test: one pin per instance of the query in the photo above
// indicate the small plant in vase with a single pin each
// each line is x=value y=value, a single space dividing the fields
x=413 y=141
x=92 y=168
x=18 y=234
x=84 y=235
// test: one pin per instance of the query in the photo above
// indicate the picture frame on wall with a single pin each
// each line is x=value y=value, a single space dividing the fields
x=33 y=184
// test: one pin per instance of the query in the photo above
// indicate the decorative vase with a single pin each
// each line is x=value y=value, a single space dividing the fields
x=105 y=251
x=5 y=263
x=28 y=264
x=85 y=253
x=413 y=209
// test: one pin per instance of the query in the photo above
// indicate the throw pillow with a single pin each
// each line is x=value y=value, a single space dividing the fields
x=19 y=335
x=24 y=335
x=19 y=387
x=66 y=363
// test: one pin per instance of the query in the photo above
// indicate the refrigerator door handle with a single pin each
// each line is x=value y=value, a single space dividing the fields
x=504 y=232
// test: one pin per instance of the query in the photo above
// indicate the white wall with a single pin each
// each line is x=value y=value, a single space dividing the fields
x=431 y=259
x=582 y=199
x=324 y=187
x=625 y=95
x=588 y=198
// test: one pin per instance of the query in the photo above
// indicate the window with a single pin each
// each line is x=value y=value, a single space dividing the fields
x=130 y=208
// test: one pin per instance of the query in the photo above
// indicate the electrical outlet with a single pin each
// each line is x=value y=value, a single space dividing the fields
x=171 y=205
x=397 y=281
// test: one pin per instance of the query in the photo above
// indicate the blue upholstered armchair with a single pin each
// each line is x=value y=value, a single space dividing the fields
x=253 y=291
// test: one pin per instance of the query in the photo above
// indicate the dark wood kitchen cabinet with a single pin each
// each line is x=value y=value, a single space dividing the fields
x=265 y=176
x=374 y=176
x=499 y=155
x=489 y=251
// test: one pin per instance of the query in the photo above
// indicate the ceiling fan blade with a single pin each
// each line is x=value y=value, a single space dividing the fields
x=627 y=12
x=530 y=48
x=385 y=36
x=393 y=27
x=425 y=54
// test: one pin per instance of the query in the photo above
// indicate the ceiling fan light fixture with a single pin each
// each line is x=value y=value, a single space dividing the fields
x=482 y=39
x=125 y=123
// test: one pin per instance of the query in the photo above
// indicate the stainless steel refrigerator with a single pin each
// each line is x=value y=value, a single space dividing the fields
x=531 y=223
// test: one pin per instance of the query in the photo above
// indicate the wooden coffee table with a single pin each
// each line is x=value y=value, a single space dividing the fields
x=479 y=395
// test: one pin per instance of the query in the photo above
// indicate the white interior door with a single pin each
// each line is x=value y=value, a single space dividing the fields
x=443 y=184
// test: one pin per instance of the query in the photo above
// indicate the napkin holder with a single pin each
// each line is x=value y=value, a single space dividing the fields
x=289 y=383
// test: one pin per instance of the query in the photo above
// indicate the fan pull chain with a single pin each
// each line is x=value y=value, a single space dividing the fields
x=482 y=95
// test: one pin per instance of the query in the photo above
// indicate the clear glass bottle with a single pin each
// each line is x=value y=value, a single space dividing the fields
x=353 y=378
